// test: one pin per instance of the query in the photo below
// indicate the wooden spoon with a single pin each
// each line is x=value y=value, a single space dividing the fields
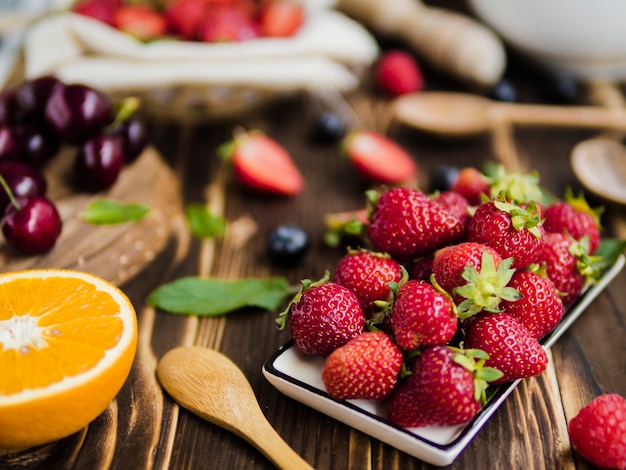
x=211 y=386
x=451 y=113
x=600 y=164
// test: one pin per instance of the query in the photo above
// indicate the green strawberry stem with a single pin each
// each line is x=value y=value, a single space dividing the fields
x=527 y=217
x=473 y=360
x=485 y=289
x=283 y=317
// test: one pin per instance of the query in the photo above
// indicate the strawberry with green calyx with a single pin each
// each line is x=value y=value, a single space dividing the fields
x=422 y=315
x=322 y=316
x=346 y=227
x=511 y=348
x=446 y=387
x=366 y=367
x=512 y=230
x=539 y=308
x=378 y=159
x=486 y=289
x=262 y=164
x=575 y=217
x=517 y=187
x=568 y=264
x=368 y=274
x=407 y=224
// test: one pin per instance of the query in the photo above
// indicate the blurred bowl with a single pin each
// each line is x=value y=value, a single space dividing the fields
x=582 y=38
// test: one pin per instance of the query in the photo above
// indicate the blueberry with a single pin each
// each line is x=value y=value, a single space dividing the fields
x=562 y=89
x=329 y=128
x=443 y=177
x=287 y=244
x=504 y=91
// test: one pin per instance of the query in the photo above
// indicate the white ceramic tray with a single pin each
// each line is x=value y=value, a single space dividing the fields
x=299 y=376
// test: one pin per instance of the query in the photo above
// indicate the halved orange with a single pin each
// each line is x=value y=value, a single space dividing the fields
x=67 y=343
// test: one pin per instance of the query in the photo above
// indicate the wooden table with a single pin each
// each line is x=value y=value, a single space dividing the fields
x=144 y=428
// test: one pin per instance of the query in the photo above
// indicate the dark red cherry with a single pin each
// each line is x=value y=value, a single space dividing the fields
x=32 y=96
x=9 y=109
x=134 y=133
x=22 y=180
x=33 y=226
x=76 y=111
x=99 y=161
x=37 y=144
x=9 y=143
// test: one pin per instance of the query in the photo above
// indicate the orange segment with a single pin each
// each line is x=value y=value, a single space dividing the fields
x=67 y=343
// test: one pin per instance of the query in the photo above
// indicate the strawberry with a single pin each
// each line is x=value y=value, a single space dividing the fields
x=456 y=204
x=422 y=315
x=422 y=268
x=407 y=224
x=345 y=226
x=262 y=164
x=379 y=159
x=446 y=387
x=140 y=21
x=322 y=317
x=471 y=184
x=366 y=367
x=598 y=431
x=517 y=187
x=184 y=17
x=511 y=348
x=397 y=73
x=574 y=216
x=101 y=10
x=568 y=264
x=227 y=23
x=368 y=275
x=513 y=231
x=281 y=18
x=540 y=307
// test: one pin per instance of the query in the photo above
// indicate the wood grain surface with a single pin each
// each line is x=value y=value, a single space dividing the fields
x=144 y=429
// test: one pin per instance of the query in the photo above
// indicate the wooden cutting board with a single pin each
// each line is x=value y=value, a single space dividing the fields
x=114 y=252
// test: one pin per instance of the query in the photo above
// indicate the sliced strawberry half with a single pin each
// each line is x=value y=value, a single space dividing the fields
x=262 y=164
x=140 y=21
x=379 y=159
x=281 y=18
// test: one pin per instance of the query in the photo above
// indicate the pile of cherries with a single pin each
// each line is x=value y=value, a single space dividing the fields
x=37 y=118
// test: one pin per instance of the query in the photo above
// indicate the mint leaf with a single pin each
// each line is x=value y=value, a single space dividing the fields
x=108 y=212
x=203 y=296
x=203 y=223
x=609 y=250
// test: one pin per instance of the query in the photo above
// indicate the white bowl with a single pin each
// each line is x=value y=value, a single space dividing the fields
x=583 y=38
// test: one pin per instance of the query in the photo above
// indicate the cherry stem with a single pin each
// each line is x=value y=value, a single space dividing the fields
x=126 y=109
x=7 y=189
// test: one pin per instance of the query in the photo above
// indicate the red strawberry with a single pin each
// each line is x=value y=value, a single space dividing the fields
x=366 y=367
x=322 y=317
x=368 y=275
x=184 y=17
x=262 y=164
x=446 y=387
x=568 y=265
x=574 y=216
x=598 y=431
x=226 y=23
x=456 y=204
x=540 y=307
x=471 y=184
x=422 y=268
x=379 y=159
x=398 y=73
x=407 y=224
x=450 y=262
x=511 y=348
x=140 y=21
x=281 y=18
x=422 y=315
x=511 y=230
x=101 y=10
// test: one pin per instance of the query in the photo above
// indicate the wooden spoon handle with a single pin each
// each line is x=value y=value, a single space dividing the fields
x=574 y=116
x=449 y=40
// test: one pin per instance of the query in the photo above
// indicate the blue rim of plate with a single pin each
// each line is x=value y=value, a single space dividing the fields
x=470 y=429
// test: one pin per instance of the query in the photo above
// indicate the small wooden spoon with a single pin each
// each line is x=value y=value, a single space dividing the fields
x=600 y=164
x=211 y=386
x=451 y=113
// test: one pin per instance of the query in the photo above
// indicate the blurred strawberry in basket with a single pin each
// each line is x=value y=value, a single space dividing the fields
x=198 y=20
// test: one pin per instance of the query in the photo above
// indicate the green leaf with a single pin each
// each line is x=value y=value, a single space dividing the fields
x=203 y=296
x=203 y=223
x=108 y=212
x=609 y=250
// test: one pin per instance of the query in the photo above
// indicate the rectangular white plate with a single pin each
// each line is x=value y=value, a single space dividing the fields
x=299 y=376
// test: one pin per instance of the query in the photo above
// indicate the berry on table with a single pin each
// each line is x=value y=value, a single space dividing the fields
x=398 y=73
x=287 y=244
